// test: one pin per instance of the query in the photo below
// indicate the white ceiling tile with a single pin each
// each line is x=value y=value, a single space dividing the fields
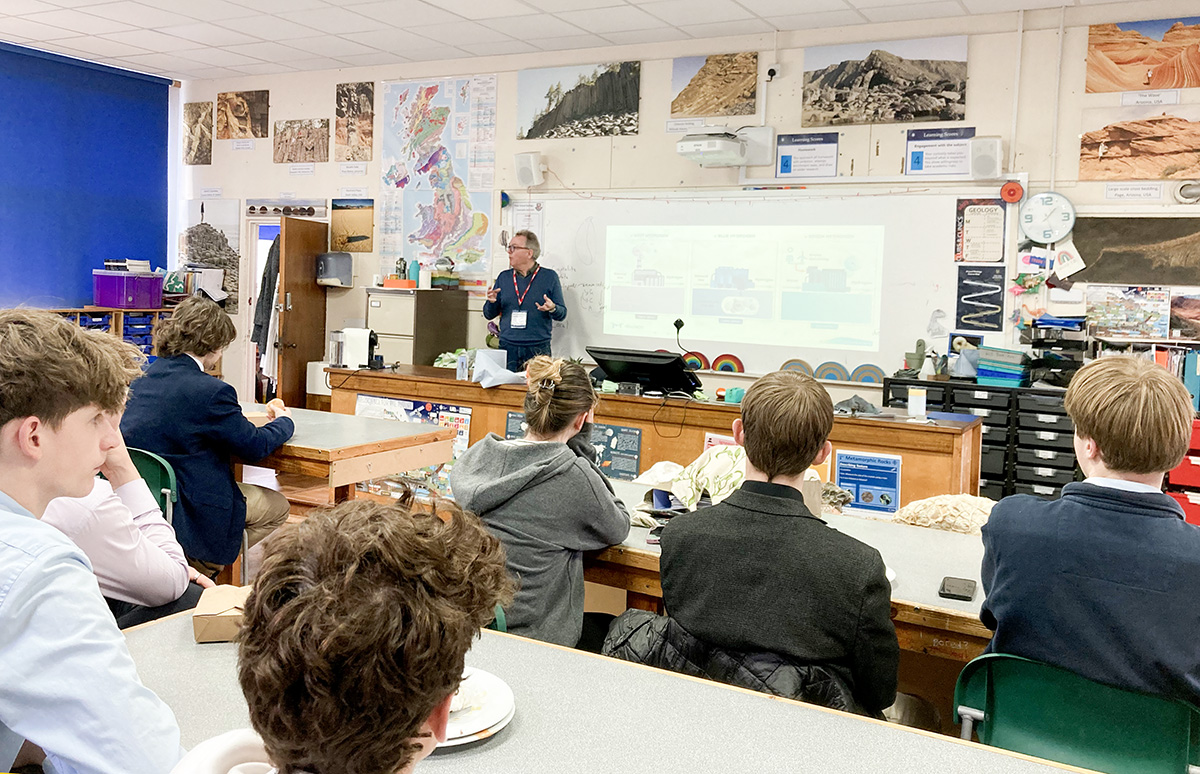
x=78 y=3
x=694 y=12
x=434 y=54
x=102 y=47
x=765 y=8
x=208 y=34
x=660 y=35
x=22 y=7
x=405 y=13
x=268 y=27
x=277 y=6
x=219 y=57
x=268 y=51
x=570 y=41
x=138 y=14
x=151 y=40
x=818 y=20
x=266 y=68
x=499 y=48
x=723 y=29
x=373 y=59
x=491 y=9
x=78 y=21
x=331 y=21
x=208 y=73
x=29 y=30
x=164 y=62
x=315 y=63
x=206 y=10
x=7 y=37
x=602 y=20
x=554 y=6
x=940 y=10
x=531 y=27
x=1003 y=6
x=457 y=33
x=330 y=45
x=391 y=40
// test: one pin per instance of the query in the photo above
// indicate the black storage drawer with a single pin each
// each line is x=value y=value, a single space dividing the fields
x=1040 y=490
x=1046 y=439
x=986 y=397
x=935 y=395
x=1046 y=458
x=1057 y=422
x=1041 y=404
x=992 y=489
x=992 y=461
x=997 y=417
x=993 y=435
x=1045 y=475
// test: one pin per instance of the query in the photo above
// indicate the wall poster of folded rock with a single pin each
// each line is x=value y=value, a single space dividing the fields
x=1144 y=55
x=886 y=82
x=1140 y=142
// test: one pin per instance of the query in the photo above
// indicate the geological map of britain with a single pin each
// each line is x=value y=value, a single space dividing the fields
x=423 y=143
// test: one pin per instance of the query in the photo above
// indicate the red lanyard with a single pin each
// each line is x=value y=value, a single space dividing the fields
x=520 y=295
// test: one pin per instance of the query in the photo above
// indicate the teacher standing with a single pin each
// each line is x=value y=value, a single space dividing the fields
x=527 y=297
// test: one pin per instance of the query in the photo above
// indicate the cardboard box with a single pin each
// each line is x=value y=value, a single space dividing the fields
x=218 y=616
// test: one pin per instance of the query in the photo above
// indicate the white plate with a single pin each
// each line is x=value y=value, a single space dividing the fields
x=484 y=734
x=487 y=701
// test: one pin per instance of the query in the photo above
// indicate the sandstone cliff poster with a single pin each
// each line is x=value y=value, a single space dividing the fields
x=243 y=114
x=884 y=83
x=1144 y=55
x=1136 y=251
x=354 y=121
x=301 y=141
x=1140 y=142
x=716 y=85
x=580 y=101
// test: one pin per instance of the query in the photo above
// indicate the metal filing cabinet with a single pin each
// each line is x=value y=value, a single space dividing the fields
x=415 y=326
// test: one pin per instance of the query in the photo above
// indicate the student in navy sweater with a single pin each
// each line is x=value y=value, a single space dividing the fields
x=1104 y=581
x=527 y=297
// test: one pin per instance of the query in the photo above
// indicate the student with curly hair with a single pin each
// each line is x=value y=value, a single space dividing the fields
x=545 y=498
x=193 y=420
x=355 y=637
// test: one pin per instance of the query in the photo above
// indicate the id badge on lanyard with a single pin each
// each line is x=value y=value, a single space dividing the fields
x=518 y=319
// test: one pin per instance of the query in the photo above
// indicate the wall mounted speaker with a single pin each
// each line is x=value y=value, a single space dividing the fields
x=986 y=158
x=529 y=169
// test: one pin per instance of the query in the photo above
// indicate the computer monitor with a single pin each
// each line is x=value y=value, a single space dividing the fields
x=656 y=371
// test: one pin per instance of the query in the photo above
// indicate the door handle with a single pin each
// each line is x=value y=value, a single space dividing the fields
x=287 y=302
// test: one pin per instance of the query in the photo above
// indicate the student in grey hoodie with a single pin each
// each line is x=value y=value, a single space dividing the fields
x=546 y=500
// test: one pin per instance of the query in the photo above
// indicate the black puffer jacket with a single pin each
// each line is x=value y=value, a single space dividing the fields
x=659 y=641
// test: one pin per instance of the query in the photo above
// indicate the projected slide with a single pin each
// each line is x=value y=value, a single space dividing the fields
x=804 y=286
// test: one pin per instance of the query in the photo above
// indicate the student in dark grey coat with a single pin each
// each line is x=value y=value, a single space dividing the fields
x=546 y=500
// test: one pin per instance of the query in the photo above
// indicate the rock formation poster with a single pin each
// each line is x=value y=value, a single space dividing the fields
x=1185 y=312
x=886 y=83
x=1135 y=251
x=1144 y=55
x=716 y=85
x=1140 y=142
x=212 y=240
x=243 y=114
x=580 y=101
x=197 y=132
x=301 y=141
x=352 y=225
x=355 y=121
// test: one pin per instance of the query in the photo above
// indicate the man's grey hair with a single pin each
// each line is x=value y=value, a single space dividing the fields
x=531 y=241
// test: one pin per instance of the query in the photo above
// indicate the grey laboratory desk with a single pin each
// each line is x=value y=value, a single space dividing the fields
x=344 y=449
x=582 y=713
x=937 y=636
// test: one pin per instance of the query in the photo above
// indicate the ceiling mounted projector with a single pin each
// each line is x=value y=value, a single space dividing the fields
x=713 y=150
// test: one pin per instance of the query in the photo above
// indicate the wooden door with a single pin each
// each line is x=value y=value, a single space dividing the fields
x=301 y=303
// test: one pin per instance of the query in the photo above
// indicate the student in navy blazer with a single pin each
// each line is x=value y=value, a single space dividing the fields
x=193 y=420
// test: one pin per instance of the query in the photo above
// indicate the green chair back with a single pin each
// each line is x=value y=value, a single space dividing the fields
x=1033 y=708
x=160 y=477
x=499 y=623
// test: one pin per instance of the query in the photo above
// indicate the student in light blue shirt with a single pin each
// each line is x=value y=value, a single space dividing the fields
x=67 y=682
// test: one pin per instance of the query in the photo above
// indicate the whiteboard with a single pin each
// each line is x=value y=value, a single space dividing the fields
x=918 y=271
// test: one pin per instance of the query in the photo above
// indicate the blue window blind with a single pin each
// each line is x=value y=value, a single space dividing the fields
x=83 y=174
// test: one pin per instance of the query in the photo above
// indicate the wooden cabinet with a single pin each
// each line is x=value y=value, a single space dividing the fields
x=415 y=326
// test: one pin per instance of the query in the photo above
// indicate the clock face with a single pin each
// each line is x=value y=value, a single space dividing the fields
x=1047 y=217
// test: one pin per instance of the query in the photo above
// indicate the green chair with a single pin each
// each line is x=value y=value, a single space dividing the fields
x=1033 y=708
x=160 y=477
x=499 y=623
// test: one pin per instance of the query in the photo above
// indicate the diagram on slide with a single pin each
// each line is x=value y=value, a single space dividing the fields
x=812 y=286
x=980 y=298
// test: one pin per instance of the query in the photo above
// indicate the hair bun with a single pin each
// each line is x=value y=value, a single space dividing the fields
x=543 y=373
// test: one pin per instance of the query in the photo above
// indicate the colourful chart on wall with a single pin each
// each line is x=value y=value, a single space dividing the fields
x=457 y=418
x=618 y=449
x=438 y=170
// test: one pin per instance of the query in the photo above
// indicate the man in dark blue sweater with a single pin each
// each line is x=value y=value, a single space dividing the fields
x=527 y=297
x=1104 y=581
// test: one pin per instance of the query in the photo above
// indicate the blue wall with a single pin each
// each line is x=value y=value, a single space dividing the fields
x=83 y=174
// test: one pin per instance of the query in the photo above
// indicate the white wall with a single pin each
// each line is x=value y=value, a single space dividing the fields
x=648 y=160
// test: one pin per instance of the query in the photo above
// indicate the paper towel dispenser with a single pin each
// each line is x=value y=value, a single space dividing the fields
x=335 y=270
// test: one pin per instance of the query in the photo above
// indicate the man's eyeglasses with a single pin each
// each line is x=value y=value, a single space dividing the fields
x=513 y=248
